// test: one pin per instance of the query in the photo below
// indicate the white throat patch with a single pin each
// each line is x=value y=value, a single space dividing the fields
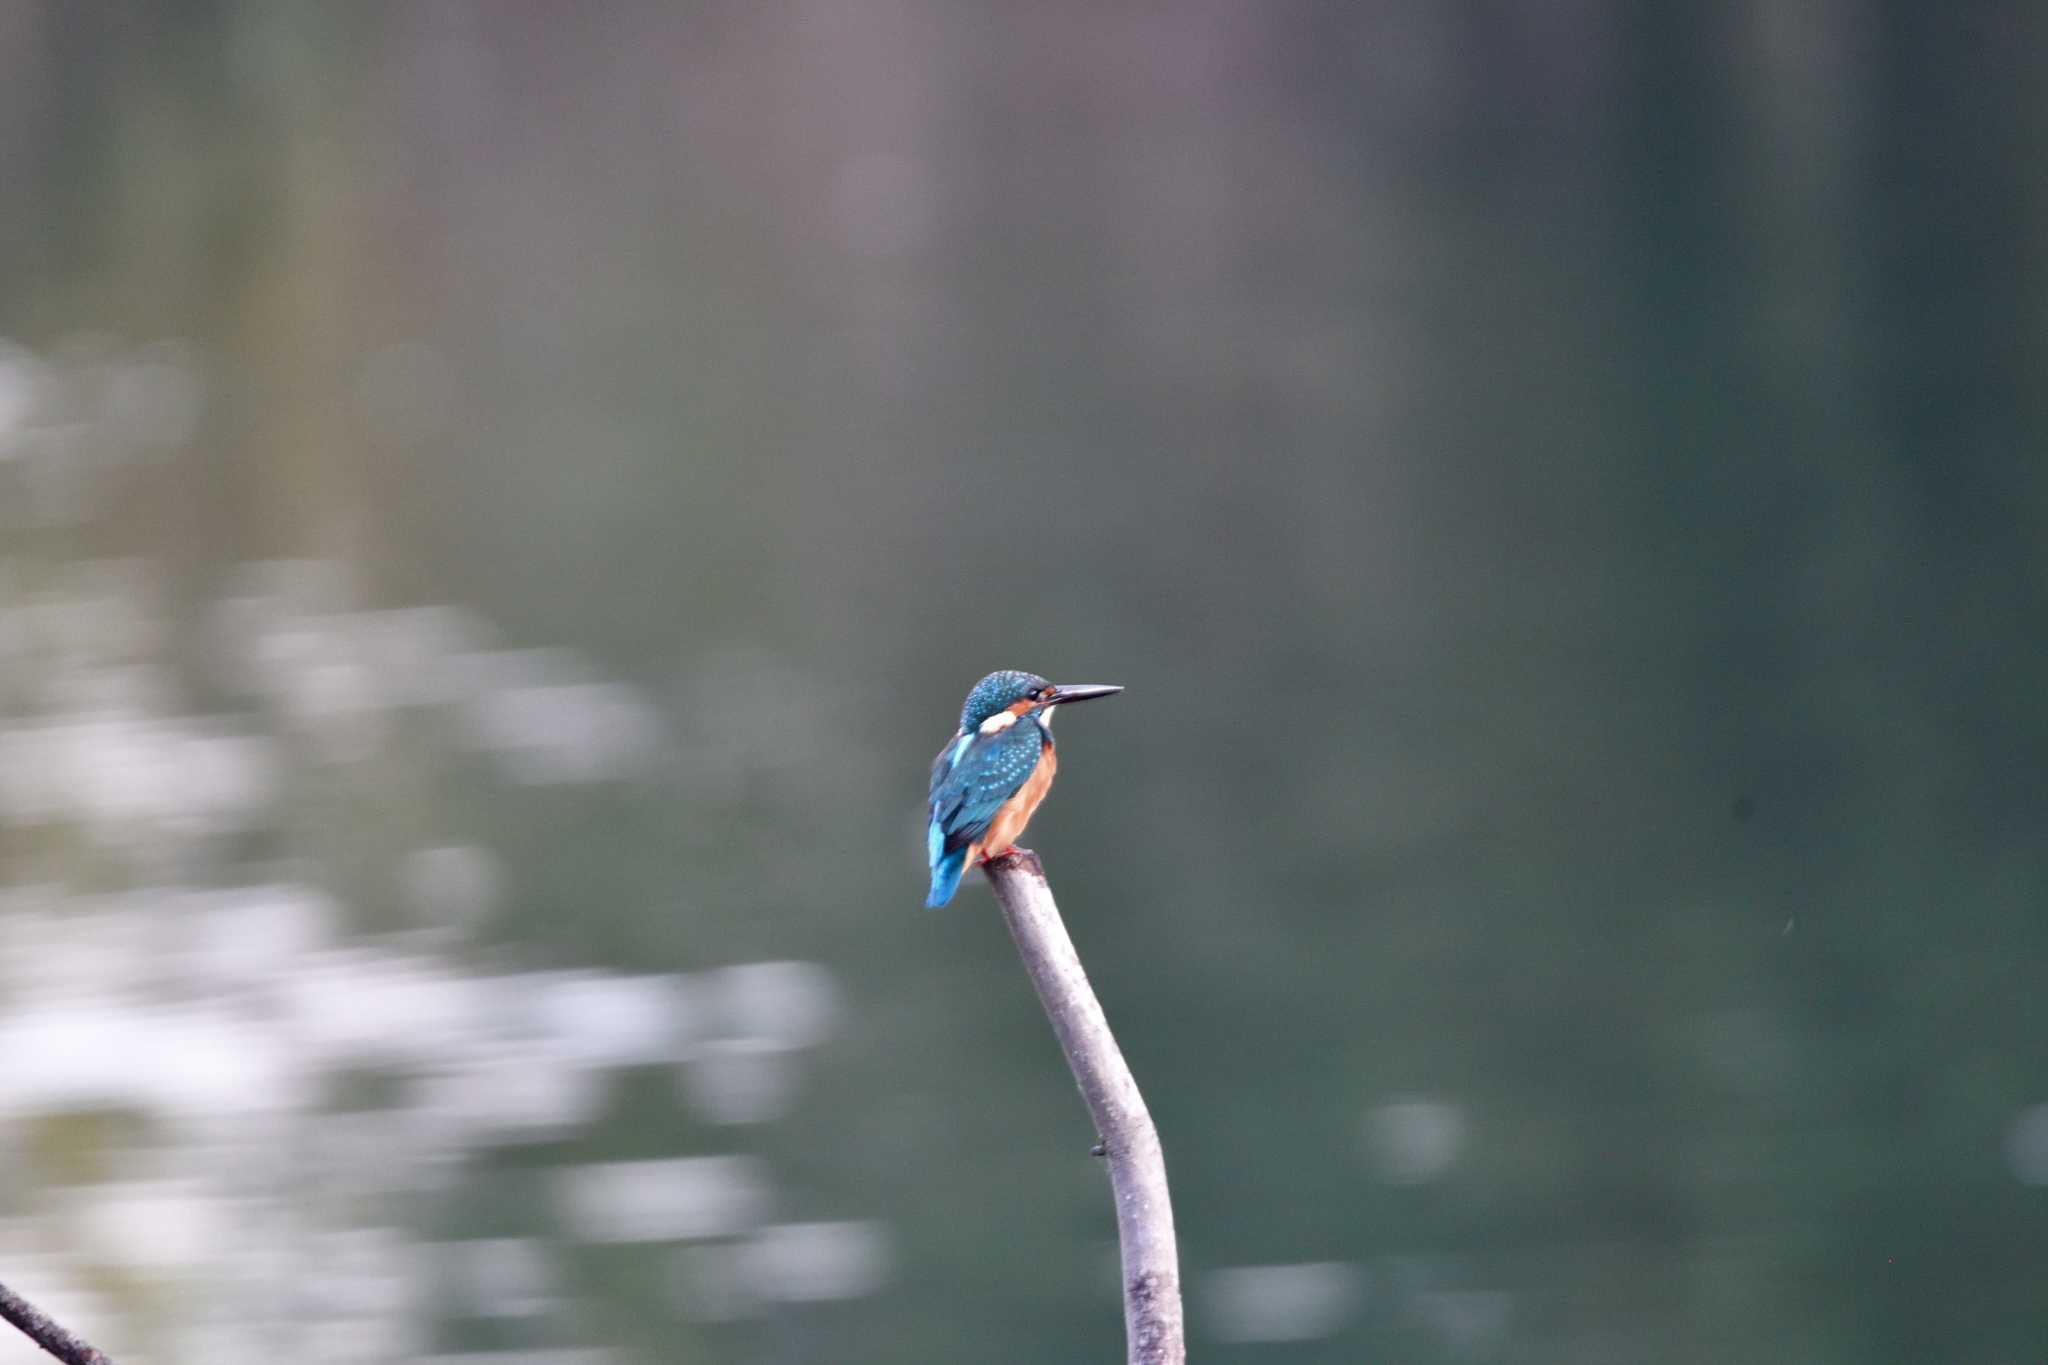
x=999 y=722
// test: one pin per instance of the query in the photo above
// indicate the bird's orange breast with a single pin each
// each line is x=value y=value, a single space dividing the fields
x=1015 y=813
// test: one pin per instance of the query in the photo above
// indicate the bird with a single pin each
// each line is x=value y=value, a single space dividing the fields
x=993 y=772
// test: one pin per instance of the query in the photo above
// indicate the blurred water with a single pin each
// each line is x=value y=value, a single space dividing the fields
x=212 y=1073
x=497 y=508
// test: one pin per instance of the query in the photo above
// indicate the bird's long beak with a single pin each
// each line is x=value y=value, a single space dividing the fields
x=1066 y=692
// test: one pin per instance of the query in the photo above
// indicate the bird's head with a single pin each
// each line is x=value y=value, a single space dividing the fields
x=1001 y=698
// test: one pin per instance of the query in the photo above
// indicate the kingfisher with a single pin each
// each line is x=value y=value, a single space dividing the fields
x=994 y=771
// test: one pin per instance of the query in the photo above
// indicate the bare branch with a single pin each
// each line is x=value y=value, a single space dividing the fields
x=1128 y=1141
x=45 y=1333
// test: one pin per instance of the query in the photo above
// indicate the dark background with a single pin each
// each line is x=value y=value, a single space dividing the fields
x=1563 y=485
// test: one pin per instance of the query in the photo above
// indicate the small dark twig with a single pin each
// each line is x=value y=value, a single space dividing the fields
x=47 y=1334
x=1127 y=1141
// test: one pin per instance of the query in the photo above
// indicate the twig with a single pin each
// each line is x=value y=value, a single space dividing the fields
x=1129 y=1142
x=46 y=1333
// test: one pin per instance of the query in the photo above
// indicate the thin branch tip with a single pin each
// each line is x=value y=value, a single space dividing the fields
x=38 y=1327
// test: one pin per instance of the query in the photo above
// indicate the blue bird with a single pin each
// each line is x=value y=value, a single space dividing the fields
x=993 y=772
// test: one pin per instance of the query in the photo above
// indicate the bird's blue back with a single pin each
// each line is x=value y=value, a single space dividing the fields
x=971 y=778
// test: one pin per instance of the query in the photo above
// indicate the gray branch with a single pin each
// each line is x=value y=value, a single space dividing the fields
x=1137 y=1168
x=45 y=1333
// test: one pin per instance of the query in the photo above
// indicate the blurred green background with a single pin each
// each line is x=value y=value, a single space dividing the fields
x=501 y=502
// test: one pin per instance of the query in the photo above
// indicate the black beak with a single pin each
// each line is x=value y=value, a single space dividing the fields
x=1066 y=692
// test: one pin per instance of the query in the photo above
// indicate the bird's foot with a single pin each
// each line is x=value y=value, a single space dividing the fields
x=1100 y=1148
x=1016 y=855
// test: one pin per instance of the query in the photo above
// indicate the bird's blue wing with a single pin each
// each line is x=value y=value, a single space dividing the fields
x=947 y=757
x=972 y=778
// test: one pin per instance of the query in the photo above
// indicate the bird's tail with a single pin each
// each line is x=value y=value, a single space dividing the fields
x=946 y=874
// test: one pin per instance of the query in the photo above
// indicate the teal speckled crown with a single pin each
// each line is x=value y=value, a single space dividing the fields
x=995 y=693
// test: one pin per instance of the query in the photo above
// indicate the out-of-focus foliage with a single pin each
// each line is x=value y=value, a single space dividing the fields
x=500 y=503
